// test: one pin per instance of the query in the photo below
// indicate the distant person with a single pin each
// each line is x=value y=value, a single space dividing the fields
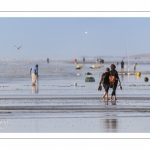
x=122 y=65
x=105 y=81
x=114 y=80
x=83 y=60
x=134 y=67
x=47 y=60
x=75 y=61
x=101 y=61
x=34 y=74
x=97 y=60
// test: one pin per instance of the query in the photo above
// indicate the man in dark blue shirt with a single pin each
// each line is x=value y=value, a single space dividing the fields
x=122 y=65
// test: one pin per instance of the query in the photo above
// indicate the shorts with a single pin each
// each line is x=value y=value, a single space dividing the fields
x=106 y=87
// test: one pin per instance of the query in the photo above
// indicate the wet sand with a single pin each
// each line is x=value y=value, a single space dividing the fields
x=41 y=114
x=57 y=106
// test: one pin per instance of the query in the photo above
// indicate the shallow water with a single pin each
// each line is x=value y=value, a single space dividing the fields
x=56 y=105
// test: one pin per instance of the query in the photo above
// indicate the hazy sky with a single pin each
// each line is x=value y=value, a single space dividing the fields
x=73 y=37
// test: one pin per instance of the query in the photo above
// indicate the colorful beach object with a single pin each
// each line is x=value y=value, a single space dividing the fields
x=89 y=73
x=89 y=79
x=79 y=67
x=95 y=67
x=146 y=79
x=138 y=73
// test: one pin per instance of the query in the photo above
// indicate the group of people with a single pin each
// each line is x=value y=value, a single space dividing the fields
x=105 y=79
x=110 y=79
x=122 y=66
x=106 y=82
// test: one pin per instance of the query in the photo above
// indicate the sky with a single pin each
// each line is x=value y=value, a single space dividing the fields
x=73 y=37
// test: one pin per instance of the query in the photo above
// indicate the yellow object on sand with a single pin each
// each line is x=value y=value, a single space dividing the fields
x=138 y=73
x=79 y=67
x=95 y=67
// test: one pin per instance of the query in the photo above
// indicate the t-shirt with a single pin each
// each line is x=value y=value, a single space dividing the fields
x=134 y=66
x=122 y=64
x=34 y=70
x=114 y=73
x=105 y=78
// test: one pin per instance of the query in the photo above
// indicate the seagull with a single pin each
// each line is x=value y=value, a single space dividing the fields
x=17 y=47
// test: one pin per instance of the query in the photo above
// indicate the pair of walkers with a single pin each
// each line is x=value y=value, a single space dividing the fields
x=107 y=83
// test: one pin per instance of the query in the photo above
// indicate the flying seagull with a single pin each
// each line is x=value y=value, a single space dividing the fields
x=17 y=47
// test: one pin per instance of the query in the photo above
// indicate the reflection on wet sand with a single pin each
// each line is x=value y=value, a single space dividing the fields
x=106 y=102
x=110 y=124
x=2 y=124
x=112 y=102
x=35 y=89
x=122 y=77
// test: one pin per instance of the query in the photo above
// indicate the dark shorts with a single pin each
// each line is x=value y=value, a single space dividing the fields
x=106 y=87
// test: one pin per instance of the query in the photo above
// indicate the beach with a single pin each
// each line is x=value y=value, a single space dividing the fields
x=55 y=105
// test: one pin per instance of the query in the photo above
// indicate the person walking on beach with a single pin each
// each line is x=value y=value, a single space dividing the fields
x=134 y=67
x=105 y=81
x=122 y=65
x=34 y=74
x=47 y=60
x=75 y=61
x=113 y=79
x=83 y=60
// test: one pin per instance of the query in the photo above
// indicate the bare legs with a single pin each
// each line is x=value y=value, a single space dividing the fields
x=105 y=96
x=113 y=97
x=113 y=94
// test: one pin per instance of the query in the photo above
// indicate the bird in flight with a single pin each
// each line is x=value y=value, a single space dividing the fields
x=17 y=47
